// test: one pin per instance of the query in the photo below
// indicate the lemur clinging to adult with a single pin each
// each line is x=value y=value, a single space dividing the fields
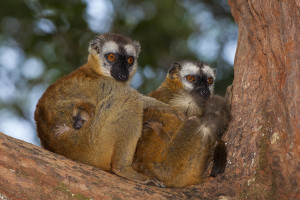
x=176 y=151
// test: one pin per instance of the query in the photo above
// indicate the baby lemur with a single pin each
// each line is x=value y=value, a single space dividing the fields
x=176 y=151
x=92 y=115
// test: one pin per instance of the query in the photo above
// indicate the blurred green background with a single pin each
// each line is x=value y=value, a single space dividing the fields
x=41 y=41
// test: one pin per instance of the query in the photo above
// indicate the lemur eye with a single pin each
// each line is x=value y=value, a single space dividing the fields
x=190 y=78
x=111 y=57
x=210 y=80
x=130 y=60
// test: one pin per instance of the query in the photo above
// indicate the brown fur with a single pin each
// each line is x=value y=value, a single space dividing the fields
x=114 y=112
x=177 y=152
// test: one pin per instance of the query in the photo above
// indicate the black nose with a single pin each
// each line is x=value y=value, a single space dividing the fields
x=205 y=93
x=123 y=77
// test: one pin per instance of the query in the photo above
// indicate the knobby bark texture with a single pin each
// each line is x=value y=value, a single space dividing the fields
x=263 y=139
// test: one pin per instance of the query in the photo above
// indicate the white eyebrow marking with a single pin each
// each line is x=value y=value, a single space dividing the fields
x=208 y=71
x=110 y=46
x=189 y=69
x=130 y=50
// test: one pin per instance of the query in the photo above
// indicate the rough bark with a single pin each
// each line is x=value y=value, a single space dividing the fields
x=30 y=172
x=263 y=138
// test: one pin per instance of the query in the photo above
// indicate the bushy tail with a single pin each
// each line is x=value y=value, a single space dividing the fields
x=219 y=159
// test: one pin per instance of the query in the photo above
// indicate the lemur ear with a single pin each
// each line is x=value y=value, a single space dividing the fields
x=173 y=70
x=137 y=47
x=215 y=71
x=95 y=44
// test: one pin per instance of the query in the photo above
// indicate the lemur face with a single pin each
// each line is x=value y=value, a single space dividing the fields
x=117 y=54
x=196 y=77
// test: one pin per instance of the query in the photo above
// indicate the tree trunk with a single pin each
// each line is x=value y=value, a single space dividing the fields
x=263 y=138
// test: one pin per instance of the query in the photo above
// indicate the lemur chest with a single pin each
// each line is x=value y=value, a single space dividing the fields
x=187 y=105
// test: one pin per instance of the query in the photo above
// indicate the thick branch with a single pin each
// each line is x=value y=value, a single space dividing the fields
x=30 y=172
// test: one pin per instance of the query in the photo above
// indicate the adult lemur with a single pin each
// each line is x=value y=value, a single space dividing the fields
x=176 y=151
x=92 y=115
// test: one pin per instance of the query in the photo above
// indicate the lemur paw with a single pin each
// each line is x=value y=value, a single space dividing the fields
x=156 y=182
x=154 y=125
x=61 y=129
